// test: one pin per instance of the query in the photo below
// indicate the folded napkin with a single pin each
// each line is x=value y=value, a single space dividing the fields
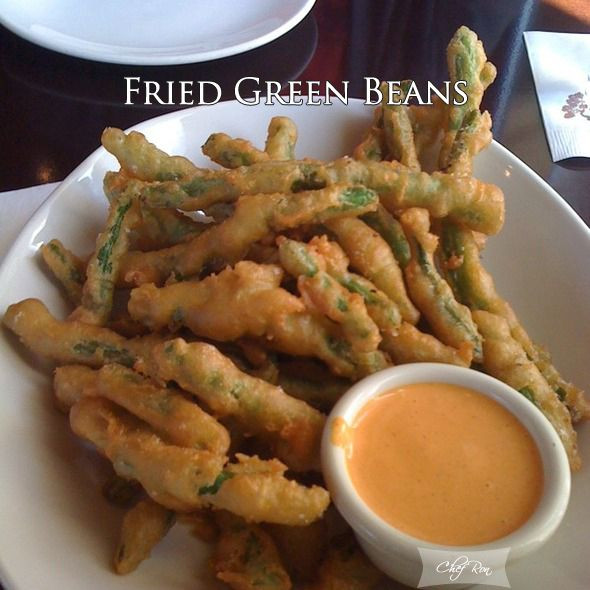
x=16 y=207
x=561 y=69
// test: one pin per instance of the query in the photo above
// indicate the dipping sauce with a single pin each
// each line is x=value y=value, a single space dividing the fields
x=445 y=464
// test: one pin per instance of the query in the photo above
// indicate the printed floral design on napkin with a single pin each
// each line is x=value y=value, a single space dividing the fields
x=576 y=104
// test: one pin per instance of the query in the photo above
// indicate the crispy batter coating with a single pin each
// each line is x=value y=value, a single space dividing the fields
x=141 y=159
x=293 y=427
x=255 y=217
x=231 y=152
x=67 y=268
x=474 y=287
x=371 y=256
x=505 y=359
x=103 y=267
x=281 y=138
x=258 y=491
x=246 y=301
x=475 y=204
x=450 y=321
x=170 y=413
x=346 y=567
x=246 y=558
x=144 y=526
x=73 y=342
x=171 y=475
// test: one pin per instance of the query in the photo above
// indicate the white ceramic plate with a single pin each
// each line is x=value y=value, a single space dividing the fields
x=152 y=32
x=57 y=532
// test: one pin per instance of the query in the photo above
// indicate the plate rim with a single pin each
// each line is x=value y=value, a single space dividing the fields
x=113 y=54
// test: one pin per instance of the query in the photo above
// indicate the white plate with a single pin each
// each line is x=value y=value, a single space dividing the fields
x=56 y=530
x=152 y=32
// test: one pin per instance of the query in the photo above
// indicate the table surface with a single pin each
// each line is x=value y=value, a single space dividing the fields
x=54 y=107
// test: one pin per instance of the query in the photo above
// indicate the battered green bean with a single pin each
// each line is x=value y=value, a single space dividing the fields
x=171 y=475
x=474 y=135
x=103 y=267
x=171 y=414
x=372 y=147
x=73 y=342
x=246 y=301
x=397 y=128
x=300 y=259
x=258 y=491
x=142 y=159
x=144 y=526
x=281 y=139
x=67 y=268
x=466 y=200
x=254 y=218
x=390 y=229
x=466 y=60
x=231 y=152
x=246 y=558
x=450 y=321
x=323 y=293
x=505 y=359
x=293 y=427
x=372 y=257
x=474 y=287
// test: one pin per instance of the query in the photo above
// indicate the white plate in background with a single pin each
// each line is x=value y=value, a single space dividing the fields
x=152 y=32
x=57 y=532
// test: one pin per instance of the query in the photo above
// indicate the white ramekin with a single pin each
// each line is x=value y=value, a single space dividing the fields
x=396 y=553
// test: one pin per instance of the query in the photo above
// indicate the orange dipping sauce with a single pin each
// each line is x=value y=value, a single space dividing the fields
x=445 y=464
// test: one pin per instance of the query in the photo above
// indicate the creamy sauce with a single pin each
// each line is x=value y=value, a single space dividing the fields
x=445 y=464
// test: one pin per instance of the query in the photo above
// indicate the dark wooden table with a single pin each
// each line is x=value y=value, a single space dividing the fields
x=54 y=107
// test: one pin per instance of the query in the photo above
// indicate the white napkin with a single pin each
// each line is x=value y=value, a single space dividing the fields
x=16 y=207
x=561 y=69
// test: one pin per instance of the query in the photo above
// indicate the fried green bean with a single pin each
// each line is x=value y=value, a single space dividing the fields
x=474 y=287
x=346 y=567
x=281 y=139
x=144 y=526
x=171 y=414
x=152 y=228
x=410 y=345
x=142 y=159
x=258 y=491
x=172 y=476
x=397 y=128
x=103 y=267
x=262 y=409
x=466 y=60
x=372 y=257
x=255 y=216
x=473 y=136
x=505 y=359
x=72 y=342
x=67 y=268
x=391 y=230
x=466 y=200
x=427 y=125
x=372 y=147
x=320 y=256
x=246 y=558
x=450 y=321
x=324 y=294
x=231 y=152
